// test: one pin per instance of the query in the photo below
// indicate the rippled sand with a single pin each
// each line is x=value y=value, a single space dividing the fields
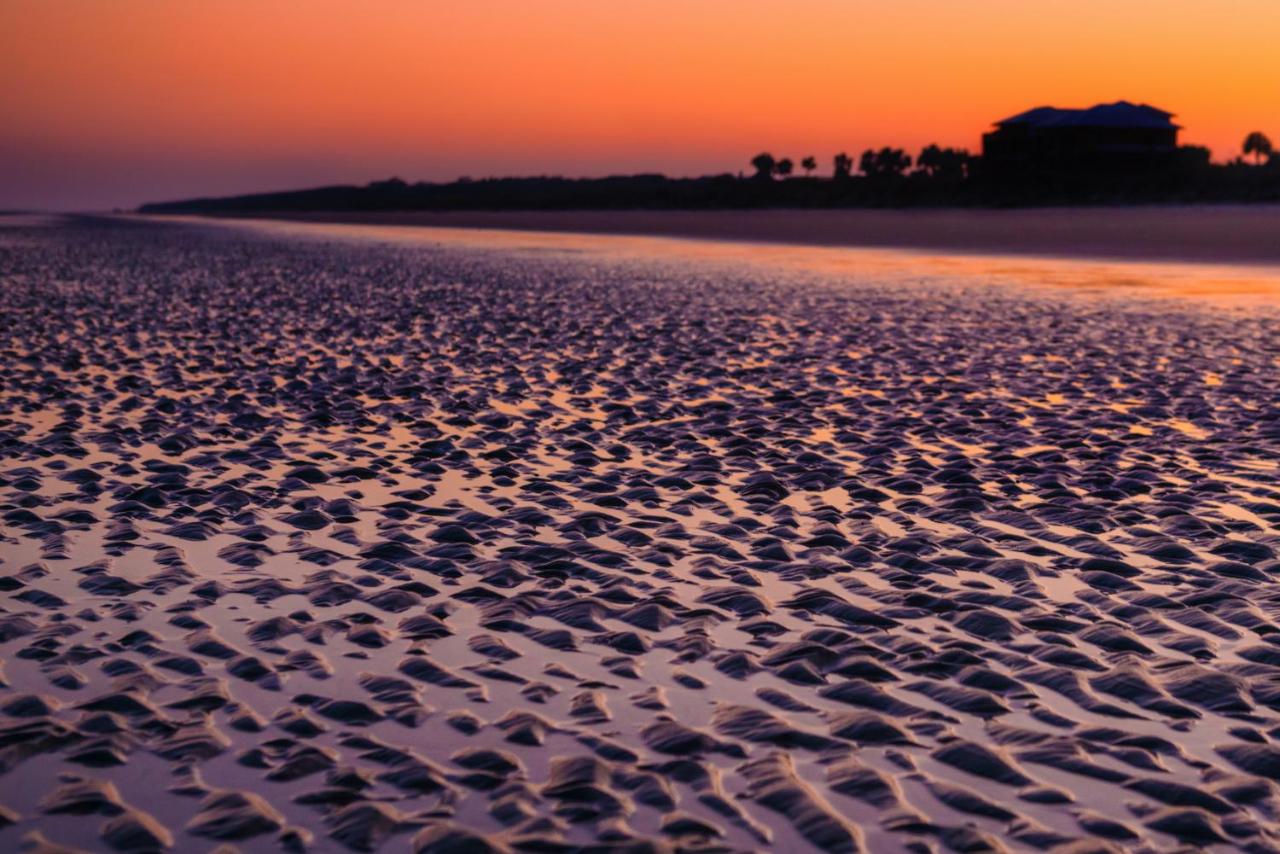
x=338 y=539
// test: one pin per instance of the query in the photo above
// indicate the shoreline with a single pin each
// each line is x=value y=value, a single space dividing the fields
x=1227 y=234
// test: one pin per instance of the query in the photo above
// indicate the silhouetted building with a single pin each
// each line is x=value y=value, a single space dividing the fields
x=1101 y=138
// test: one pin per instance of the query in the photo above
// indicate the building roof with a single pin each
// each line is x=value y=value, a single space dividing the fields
x=1119 y=114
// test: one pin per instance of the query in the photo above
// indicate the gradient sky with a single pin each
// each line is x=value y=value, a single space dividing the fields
x=113 y=102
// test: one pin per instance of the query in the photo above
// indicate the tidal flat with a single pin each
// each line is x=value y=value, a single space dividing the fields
x=372 y=538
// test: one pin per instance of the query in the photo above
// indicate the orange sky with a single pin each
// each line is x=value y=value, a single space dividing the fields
x=113 y=102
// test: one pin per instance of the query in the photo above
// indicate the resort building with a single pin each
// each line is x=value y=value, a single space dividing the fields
x=1120 y=135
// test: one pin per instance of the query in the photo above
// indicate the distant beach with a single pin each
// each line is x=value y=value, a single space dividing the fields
x=1243 y=234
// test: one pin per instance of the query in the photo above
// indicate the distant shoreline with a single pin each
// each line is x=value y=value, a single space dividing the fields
x=1227 y=234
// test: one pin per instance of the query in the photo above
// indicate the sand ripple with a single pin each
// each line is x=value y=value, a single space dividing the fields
x=338 y=545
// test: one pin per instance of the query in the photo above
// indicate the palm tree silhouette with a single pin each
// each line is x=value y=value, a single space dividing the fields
x=1258 y=145
x=885 y=163
x=809 y=164
x=764 y=164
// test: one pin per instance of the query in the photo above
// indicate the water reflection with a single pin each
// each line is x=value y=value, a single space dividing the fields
x=1225 y=285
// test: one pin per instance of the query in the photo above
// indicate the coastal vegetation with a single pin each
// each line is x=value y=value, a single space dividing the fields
x=879 y=177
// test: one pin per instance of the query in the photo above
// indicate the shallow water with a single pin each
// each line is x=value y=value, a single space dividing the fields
x=630 y=542
x=1227 y=285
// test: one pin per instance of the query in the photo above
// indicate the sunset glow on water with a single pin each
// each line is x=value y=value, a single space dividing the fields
x=1224 y=285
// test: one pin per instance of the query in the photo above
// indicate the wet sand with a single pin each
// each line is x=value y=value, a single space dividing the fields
x=1248 y=234
x=351 y=540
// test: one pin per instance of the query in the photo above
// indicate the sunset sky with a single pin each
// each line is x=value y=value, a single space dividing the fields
x=114 y=102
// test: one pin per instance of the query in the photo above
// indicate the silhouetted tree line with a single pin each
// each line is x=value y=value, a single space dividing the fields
x=884 y=177
x=952 y=164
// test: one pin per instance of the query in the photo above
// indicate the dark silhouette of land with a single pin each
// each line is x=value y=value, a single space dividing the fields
x=1118 y=153
x=941 y=178
x=1190 y=180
